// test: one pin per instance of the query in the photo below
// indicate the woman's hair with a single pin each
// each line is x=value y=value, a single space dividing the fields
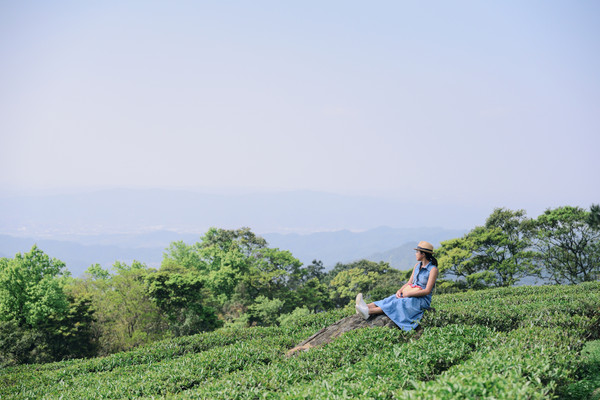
x=431 y=258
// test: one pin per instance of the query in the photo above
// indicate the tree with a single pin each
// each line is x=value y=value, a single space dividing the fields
x=21 y=345
x=236 y=268
x=222 y=256
x=312 y=295
x=40 y=320
x=594 y=217
x=498 y=253
x=181 y=298
x=508 y=246
x=309 y=291
x=264 y=311
x=72 y=335
x=569 y=244
x=126 y=316
x=31 y=289
x=272 y=273
x=347 y=280
x=181 y=256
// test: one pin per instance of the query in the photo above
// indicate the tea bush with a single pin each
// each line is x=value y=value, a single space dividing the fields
x=510 y=343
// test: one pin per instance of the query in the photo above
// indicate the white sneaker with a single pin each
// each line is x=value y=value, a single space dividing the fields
x=361 y=307
x=360 y=301
x=362 y=310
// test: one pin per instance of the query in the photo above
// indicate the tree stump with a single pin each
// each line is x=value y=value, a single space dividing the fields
x=329 y=333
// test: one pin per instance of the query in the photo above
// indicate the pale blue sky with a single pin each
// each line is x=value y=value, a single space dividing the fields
x=463 y=102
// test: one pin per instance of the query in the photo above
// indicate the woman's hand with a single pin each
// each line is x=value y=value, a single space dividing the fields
x=398 y=293
x=412 y=291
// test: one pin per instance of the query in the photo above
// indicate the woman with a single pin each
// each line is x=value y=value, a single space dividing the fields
x=406 y=307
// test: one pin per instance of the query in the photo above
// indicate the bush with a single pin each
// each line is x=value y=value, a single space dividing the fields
x=288 y=319
x=22 y=346
x=522 y=342
x=588 y=387
x=264 y=311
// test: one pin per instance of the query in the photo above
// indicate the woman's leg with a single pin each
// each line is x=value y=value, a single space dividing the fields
x=373 y=309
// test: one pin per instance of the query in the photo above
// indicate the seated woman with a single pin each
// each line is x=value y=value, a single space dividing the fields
x=406 y=307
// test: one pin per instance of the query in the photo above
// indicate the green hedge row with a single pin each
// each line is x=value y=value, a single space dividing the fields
x=395 y=367
x=519 y=342
x=527 y=363
x=505 y=309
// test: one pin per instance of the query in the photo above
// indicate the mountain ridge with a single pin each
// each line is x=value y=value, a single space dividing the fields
x=146 y=210
x=329 y=247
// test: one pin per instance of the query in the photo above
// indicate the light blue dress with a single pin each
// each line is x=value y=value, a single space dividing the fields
x=406 y=312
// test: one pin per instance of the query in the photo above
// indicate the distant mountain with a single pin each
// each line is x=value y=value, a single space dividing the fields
x=346 y=246
x=139 y=211
x=401 y=257
x=159 y=238
x=81 y=251
x=78 y=257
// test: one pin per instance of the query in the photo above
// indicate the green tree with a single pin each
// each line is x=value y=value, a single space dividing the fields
x=507 y=248
x=498 y=253
x=568 y=244
x=309 y=290
x=181 y=256
x=277 y=274
x=347 y=280
x=126 y=315
x=182 y=299
x=31 y=289
x=21 y=345
x=222 y=256
x=237 y=266
x=40 y=320
x=312 y=294
x=71 y=335
x=594 y=217
x=264 y=311
x=272 y=274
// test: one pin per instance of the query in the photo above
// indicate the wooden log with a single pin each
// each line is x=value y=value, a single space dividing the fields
x=329 y=333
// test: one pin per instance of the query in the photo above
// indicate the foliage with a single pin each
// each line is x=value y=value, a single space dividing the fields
x=505 y=343
x=71 y=335
x=29 y=292
x=594 y=217
x=180 y=297
x=39 y=320
x=232 y=278
x=20 y=345
x=125 y=314
x=496 y=254
x=346 y=280
x=264 y=311
x=291 y=318
x=588 y=388
x=237 y=267
x=569 y=245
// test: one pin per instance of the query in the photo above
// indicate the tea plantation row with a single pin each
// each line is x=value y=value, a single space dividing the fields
x=513 y=343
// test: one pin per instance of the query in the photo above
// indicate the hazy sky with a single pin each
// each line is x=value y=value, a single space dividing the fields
x=465 y=102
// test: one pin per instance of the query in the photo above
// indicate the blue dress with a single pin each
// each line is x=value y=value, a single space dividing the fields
x=406 y=312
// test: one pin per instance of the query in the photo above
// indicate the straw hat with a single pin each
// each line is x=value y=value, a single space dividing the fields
x=425 y=247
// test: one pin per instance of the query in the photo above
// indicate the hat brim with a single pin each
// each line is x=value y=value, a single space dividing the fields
x=424 y=250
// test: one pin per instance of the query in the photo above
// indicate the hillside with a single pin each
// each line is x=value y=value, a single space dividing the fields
x=513 y=343
x=401 y=257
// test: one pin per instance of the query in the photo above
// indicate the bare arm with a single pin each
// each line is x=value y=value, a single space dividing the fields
x=400 y=292
x=417 y=292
